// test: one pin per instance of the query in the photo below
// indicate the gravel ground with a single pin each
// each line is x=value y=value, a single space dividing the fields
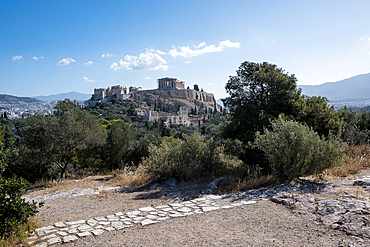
x=262 y=224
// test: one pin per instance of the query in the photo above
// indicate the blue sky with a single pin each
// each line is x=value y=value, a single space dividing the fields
x=51 y=47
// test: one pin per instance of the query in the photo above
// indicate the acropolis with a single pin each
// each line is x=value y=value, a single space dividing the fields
x=156 y=104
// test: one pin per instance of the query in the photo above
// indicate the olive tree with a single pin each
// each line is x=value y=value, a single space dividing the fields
x=54 y=139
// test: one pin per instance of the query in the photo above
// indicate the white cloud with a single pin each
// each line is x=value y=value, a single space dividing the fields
x=201 y=44
x=17 y=57
x=107 y=55
x=87 y=79
x=300 y=76
x=146 y=78
x=89 y=63
x=187 y=61
x=186 y=51
x=148 y=60
x=37 y=58
x=66 y=61
x=361 y=38
x=210 y=83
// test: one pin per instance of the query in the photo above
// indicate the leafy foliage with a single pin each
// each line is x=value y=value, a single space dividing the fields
x=192 y=159
x=259 y=92
x=54 y=139
x=294 y=149
x=13 y=209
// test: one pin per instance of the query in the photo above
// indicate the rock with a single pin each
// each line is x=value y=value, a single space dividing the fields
x=91 y=222
x=62 y=233
x=83 y=234
x=97 y=232
x=147 y=209
x=42 y=244
x=84 y=228
x=171 y=182
x=154 y=186
x=69 y=239
x=117 y=224
x=109 y=229
x=331 y=219
x=54 y=241
x=59 y=224
x=212 y=186
x=330 y=207
x=207 y=209
x=361 y=182
x=184 y=209
x=283 y=198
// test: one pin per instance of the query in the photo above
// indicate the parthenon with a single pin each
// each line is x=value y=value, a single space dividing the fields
x=170 y=83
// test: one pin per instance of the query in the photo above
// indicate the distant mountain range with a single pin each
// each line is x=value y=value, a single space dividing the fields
x=356 y=87
x=71 y=95
x=11 y=98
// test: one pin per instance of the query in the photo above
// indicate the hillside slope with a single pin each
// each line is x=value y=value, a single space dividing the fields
x=355 y=87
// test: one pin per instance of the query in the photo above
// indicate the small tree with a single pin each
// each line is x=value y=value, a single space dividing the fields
x=196 y=87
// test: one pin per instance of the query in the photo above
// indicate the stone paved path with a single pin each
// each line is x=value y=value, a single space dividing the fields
x=64 y=232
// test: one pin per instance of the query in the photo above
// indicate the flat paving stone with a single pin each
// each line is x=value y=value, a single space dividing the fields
x=98 y=232
x=92 y=222
x=100 y=218
x=62 y=233
x=105 y=223
x=72 y=231
x=109 y=229
x=184 y=209
x=42 y=244
x=147 y=209
x=148 y=222
x=248 y=202
x=85 y=228
x=54 y=241
x=69 y=239
x=59 y=224
x=207 y=209
x=83 y=234
x=117 y=224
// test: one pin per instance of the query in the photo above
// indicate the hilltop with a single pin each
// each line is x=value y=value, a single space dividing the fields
x=353 y=91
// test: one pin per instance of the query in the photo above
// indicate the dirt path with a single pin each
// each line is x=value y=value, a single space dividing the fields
x=261 y=224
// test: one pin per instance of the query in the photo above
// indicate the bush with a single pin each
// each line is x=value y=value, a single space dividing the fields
x=191 y=159
x=13 y=209
x=294 y=150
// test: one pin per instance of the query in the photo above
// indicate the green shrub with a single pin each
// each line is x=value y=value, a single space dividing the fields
x=13 y=209
x=294 y=150
x=191 y=159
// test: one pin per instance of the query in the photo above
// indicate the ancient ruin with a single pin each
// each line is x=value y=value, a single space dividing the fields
x=182 y=117
x=170 y=83
x=170 y=103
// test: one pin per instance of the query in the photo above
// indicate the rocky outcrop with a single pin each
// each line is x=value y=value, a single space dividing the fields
x=172 y=99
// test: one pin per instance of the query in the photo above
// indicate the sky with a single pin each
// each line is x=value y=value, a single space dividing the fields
x=51 y=47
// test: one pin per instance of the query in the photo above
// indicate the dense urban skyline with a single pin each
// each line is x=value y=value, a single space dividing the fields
x=51 y=47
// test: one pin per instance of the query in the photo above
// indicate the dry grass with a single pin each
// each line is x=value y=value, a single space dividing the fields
x=129 y=178
x=19 y=238
x=356 y=159
x=68 y=184
x=232 y=185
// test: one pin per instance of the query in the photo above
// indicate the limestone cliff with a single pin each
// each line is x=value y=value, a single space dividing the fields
x=173 y=99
